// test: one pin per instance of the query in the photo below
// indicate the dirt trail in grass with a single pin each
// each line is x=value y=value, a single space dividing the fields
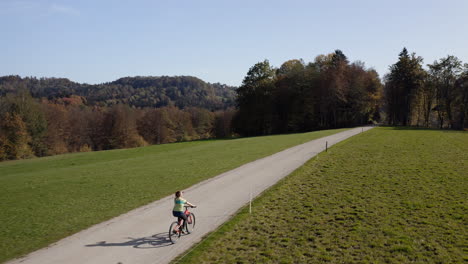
x=140 y=236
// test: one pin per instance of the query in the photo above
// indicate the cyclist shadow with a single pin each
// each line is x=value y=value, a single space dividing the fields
x=154 y=241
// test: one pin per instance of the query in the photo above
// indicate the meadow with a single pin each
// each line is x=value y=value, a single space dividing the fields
x=46 y=199
x=385 y=196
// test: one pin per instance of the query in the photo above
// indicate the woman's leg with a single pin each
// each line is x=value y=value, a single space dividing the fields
x=184 y=221
x=180 y=217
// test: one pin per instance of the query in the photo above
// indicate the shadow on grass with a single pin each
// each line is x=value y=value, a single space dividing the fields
x=154 y=241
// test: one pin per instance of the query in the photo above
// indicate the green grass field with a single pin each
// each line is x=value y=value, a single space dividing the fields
x=46 y=199
x=385 y=196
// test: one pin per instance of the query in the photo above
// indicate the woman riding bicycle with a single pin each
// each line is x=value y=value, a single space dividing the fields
x=178 y=210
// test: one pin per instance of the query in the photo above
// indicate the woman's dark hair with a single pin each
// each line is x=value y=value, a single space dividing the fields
x=177 y=194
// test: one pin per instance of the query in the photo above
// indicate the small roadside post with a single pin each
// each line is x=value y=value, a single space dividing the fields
x=250 y=201
x=326 y=146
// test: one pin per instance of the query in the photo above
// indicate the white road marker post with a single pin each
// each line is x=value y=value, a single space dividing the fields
x=250 y=201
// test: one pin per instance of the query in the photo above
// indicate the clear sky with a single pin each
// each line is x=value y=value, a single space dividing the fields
x=94 y=41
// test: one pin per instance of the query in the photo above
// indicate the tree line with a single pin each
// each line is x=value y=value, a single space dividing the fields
x=179 y=91
x=49 y=116
x=330 y=92
x=30 y=127
x=436 y=97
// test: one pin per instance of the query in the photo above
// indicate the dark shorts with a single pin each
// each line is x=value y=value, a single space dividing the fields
x=179 y=214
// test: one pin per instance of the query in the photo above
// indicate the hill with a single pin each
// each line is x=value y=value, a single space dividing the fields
x=181 y=91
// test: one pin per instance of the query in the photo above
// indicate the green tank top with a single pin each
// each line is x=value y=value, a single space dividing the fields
x=179 y=204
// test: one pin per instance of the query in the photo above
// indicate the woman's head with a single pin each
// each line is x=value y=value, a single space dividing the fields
x=178 y=194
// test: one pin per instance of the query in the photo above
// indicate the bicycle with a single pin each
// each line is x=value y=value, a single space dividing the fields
x=175 y=230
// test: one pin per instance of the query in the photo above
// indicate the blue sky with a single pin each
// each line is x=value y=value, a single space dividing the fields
x=215 y=40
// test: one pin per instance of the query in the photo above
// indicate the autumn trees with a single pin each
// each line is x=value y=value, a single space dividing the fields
x=330 y=92
x=51 y=116
x=22 y=126
x=30 y=127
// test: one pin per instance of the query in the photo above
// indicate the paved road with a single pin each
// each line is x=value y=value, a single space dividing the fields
x=140 y=236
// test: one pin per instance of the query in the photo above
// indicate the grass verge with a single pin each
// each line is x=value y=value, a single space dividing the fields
x=384 y=196
x=46 y=199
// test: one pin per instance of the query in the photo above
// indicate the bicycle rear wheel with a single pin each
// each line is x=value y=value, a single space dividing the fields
x=174 y=233
x=190 y=223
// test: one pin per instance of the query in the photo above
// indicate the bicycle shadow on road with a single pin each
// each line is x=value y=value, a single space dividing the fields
x=154 y=241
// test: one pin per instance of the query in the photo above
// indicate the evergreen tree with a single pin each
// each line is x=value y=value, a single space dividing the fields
x=402 y=86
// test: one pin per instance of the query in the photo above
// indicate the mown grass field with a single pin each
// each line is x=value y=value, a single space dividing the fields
x=385 y=196
x=46 y=199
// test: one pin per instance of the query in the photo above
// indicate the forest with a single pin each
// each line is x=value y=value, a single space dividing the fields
x=49 y=116
x=297 y=97
x=180 y=91
x=436 y=97
x=331 y=92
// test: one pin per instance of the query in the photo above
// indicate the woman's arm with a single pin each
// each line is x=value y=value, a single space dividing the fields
x=189 y=204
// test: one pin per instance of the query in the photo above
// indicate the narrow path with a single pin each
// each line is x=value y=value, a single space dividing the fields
x=140 y=236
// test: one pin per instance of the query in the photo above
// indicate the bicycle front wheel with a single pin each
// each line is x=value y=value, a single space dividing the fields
x=174 y=233
x=190 y=223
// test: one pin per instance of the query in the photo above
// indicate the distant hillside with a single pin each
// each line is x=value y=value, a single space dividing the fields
x=181 y=91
